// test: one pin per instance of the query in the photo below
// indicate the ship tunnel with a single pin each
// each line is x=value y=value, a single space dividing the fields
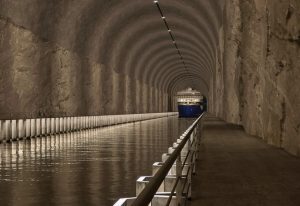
x=67 y=63
x=124 y=57
x=104 y=57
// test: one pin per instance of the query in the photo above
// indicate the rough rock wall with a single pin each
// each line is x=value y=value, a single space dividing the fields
x=261 y=70
x=39 y=78
x=283 y=74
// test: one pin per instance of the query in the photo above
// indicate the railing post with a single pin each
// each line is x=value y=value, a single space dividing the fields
x=194 y=149
x=178 y=175
x=198 y=137
x=190 y=166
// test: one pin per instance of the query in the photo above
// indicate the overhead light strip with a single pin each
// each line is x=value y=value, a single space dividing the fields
x=171 y=35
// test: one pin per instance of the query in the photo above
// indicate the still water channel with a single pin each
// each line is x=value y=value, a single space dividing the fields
x=94 y=167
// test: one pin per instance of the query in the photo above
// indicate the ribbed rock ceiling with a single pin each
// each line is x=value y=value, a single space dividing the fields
x=130 y=36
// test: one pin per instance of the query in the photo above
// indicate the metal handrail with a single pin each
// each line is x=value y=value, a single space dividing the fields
x=145 y=197
x=179 y=177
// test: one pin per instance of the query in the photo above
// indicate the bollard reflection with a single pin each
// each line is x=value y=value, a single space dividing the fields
x=92 y=167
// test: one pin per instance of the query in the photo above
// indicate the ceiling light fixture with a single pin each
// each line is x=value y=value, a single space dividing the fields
x=172 y=37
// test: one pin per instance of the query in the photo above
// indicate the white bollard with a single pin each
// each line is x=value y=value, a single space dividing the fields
x=27 y=128
x=1 y=131
x=7 y=128
x=79 y=123
x=76 y=123
x=32 y=128
x=43 y=127
x=13 y=130
x=61 y=125
x=57 y=125
x=52 y=125
x=21 y=129
x=71 y=124
x=48 y=126
x=83 y=122
x=38 y=127
x=68 y=124
x=65 y=124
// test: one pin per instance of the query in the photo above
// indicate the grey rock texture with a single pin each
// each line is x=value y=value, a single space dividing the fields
x=93 y=57
x=42 y=79
x=257 y=81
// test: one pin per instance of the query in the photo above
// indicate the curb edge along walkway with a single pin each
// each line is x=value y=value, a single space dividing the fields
x=237 y=169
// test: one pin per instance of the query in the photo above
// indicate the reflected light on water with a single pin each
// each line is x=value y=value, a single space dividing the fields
x=91 y=167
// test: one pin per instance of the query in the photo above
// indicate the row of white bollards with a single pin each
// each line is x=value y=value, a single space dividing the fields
x=11 y=130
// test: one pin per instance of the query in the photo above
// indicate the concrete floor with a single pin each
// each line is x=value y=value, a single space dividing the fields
x=237 y=169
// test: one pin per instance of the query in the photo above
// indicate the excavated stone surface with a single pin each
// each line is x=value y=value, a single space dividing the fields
x=42 y=79
x=261 y=70
x=66 y=58
x=91 y=57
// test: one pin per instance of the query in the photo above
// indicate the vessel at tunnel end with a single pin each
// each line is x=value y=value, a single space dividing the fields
x=190 y=103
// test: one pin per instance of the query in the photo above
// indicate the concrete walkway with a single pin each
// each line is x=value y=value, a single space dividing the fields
x=237 y=169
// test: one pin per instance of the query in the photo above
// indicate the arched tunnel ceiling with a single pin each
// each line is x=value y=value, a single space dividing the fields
x=130 y=37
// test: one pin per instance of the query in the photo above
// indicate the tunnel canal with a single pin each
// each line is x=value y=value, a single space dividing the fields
x=92 y=167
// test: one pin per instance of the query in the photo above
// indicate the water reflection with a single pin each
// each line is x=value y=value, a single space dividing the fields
x=94 y=167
